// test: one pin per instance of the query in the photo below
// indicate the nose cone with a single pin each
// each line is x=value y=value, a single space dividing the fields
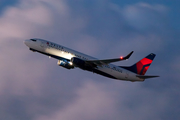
x=26 y=42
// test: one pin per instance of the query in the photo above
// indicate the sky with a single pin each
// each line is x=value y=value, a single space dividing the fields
x=34 y=87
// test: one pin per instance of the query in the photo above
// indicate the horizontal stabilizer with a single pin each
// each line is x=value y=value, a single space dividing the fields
x=146 y=76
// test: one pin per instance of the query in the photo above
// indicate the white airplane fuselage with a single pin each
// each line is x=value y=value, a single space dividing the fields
x=60 y=52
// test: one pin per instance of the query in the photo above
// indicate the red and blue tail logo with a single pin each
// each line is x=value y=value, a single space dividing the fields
x=142 y=66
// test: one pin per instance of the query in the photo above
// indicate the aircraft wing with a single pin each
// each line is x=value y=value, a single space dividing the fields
x=107 y=61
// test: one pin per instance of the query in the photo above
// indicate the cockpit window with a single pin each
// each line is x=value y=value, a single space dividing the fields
x=33 y=40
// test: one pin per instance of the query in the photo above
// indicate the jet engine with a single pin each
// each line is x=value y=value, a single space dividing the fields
x=66 y=64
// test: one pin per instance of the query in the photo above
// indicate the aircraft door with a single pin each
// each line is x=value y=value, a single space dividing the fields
x=126 y=74
x=42 y=44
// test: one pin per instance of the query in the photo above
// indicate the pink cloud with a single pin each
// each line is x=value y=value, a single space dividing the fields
x=92 y=102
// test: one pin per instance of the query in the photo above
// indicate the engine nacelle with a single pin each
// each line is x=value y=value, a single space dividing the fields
x=77 y=62
x=64 y=63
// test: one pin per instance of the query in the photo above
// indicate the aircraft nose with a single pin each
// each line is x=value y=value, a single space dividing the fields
x=26 y=42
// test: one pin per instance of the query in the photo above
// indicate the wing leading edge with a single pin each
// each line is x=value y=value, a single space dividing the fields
x=107 y=61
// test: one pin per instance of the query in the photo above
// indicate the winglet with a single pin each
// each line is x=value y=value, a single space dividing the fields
x=127 y=57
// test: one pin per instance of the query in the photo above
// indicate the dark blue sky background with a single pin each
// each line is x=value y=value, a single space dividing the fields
x=33 y=87
x=6 y=3
x=173 y=5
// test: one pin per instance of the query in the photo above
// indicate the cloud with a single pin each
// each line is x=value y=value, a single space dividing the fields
x=93 y=102
x=144 y=17
x=19 y=22
x=22 y=77
x=33 y=87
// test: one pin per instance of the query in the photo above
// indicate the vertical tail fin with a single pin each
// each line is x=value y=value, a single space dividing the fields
x=142 y=66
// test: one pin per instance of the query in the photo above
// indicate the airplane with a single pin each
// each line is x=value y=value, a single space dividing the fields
x=71 y=59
